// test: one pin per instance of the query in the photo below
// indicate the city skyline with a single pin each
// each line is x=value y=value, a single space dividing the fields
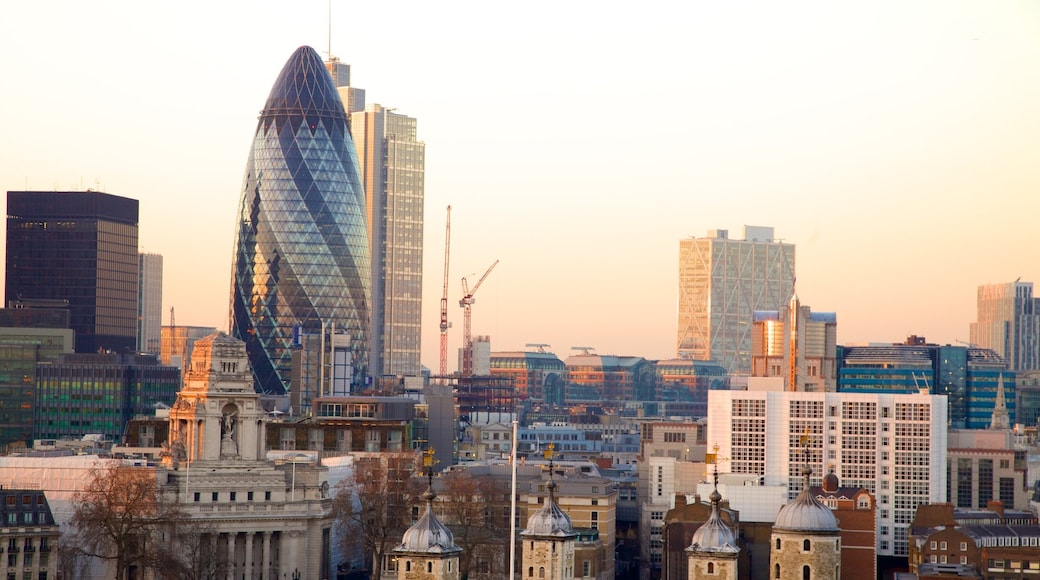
x=893 y=145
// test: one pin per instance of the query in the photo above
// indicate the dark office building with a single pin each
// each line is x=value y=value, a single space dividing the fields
x=84 y=394
x=79 y=246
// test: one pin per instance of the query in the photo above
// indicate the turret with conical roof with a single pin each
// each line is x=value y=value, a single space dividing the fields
x=713 y=550
x=427 y=550
x=806 y=541
x=548 y=541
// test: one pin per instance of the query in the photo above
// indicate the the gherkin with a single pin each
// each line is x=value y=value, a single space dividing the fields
x=301 y=256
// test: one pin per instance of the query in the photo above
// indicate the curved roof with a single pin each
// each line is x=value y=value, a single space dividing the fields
x=302 y=261
x=714 y=535
x=805 y=513
x=428 y=535
x=550 y=520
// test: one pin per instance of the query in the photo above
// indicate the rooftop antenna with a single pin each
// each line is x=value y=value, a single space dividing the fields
x=330 y=29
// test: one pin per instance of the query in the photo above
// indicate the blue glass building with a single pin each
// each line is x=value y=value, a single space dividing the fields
x=301 y=255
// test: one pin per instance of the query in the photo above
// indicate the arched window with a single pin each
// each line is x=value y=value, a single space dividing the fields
x=805 y=545
x=530 y=572
x=776 y=571
x=407 y=565
x=541 y=572
x=806 y=574
x=778 y=543
x=711 y=567
x=429 y=567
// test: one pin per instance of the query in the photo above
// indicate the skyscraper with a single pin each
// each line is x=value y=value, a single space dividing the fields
x=1008 y=321
x=722 y=282
x=149 y=303
x=79 y=246
x=393 y=169
x=301 y=257
x=393 y=162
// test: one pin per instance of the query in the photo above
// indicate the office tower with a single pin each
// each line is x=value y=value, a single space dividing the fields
x=892 y=445
x=79 y=246
x=301 y=257
x=393 y=171
x=27 y=337
x=721 y=283
x=797 y=344
x=969 y=377
x=1008 y=321
x=149 y=303
x=353 y=98
x=94 y=393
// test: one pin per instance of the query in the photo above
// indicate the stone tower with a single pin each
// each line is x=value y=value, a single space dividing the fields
x=806 y=541
x=428 y=551
x=547 y=543
x=713 y=550
x=217 y=416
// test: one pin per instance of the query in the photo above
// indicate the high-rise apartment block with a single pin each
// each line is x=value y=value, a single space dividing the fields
x=79 y=246
x=722 y=282
x=894 y=446
x=1008 y=321
x=392 y=161
x=149 y=303
x=301 y=254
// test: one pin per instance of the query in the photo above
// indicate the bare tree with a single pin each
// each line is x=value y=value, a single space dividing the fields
x=122 y=517
x=472 y=509
x=373 y=507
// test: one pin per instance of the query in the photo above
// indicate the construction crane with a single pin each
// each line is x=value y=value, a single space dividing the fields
x=445 y=325
x=467 y=304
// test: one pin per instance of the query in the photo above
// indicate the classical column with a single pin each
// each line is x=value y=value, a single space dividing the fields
x=249 y=555
x=265 y=566
x=231 y=555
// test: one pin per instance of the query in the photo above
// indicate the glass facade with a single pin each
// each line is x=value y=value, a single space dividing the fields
x=721 y=283
x=393 y=162
x=301 y=255
x=79 y=246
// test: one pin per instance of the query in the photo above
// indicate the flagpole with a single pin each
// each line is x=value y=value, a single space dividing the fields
x=512 y=511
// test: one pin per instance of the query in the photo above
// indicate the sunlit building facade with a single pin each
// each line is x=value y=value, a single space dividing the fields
x=892 y=445
x=149 y=303
x=721 y=283
x=540 y=376
x=1008 y=321
x=393 y=162
x=98 y=279
x=301 y=254
x=797 y=344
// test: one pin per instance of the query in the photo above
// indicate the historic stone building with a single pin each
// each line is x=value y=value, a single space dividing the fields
x=428 y=550
x=258 y=519
x=548 y=541
x=713 y=550
x=806 y=540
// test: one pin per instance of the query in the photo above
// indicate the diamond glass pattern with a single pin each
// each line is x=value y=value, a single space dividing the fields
x=301 y=246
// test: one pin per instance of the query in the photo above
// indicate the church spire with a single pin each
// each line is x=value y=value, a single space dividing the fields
x=1000 y=418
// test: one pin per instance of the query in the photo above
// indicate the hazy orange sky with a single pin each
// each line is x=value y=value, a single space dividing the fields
x=897 y=144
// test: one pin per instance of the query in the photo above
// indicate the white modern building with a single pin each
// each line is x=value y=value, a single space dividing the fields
x=894 y=445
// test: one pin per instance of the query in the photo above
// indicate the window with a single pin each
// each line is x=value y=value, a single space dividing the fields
x=776 y=571
x=806 y=574
x=429 y=567
x=586 y=568
x=267 y=496
x=216 y=496
x=805 y=545
x=541 y=572
x=198 y=496
x=711 y=567
x=249 y=496
x=232 y=496
x=932 y=545
x=407 y=565
x=942 y=545
x=964 y=546
x=778 y=543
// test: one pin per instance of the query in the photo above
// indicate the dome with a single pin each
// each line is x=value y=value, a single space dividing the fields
x=428 y=536
x=714 y=535
x=830 y=483
x=550 y=520
x=806 y=514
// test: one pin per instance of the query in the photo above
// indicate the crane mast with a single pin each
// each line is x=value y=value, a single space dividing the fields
x=445 y=325
x=467 y=304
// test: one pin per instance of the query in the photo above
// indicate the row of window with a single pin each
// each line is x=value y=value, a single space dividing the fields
x=232 y=496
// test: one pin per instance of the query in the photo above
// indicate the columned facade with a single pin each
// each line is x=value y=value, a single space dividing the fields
x=261 y=519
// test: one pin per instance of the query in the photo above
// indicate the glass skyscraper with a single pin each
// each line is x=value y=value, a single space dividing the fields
x=80 y=247
x=722 y=282
x=301 y=255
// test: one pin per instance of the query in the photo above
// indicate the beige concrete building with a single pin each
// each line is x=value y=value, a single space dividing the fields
x=28 y=535
x=263 y=519
x=984 y=466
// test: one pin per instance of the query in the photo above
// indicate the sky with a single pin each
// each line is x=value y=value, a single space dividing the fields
x=896 y=144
